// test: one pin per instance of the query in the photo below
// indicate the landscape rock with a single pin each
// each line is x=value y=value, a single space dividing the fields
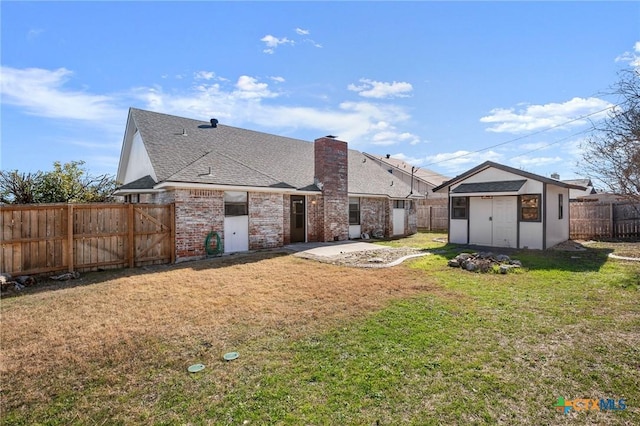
x=26 y=280
x=484 y=262
x=66 y=276
x=470 y=266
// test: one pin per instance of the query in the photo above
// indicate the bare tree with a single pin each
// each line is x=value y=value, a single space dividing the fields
x=612 y=152
x=19 y=188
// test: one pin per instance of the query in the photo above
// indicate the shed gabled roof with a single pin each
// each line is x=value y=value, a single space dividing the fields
x=488 y=164
x=497 y=186
x=191 y=151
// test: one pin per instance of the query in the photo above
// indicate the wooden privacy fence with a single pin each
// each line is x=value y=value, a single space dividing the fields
x=604 y=220
x=433 y=217
x=40 y=238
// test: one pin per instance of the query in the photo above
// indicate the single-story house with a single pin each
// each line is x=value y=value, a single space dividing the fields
x=499 y=206
x=257 y=190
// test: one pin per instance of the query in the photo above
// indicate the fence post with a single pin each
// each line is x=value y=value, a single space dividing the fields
x=70 y=248
x=430 y=218
x=131 y=239
x=612 y=222
x=172 y=212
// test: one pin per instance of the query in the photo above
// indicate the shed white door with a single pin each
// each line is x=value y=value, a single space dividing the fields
x=480 y=226
x=493 y=221
x=505 y=231
x=398 y=221
x=236 y=234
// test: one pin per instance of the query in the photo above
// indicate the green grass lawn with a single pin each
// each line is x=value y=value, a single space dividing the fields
x=467 y=348
x=483 y=349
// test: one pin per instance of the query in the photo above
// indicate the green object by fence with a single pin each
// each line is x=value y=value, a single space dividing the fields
x=213 y=244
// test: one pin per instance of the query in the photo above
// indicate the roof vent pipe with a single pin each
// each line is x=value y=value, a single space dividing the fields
x=214 y=123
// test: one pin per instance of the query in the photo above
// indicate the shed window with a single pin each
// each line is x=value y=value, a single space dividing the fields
x=530 y=208
x=398 y=204
x=354 y=211
x=560 y=206
x=235 y=203
x=459 y=207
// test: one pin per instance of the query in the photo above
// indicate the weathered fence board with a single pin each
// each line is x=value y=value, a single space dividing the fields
x=433 y=217
x=80 y=237
x=604 y=220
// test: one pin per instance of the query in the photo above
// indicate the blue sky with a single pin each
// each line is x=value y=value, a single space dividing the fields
x=442 y=85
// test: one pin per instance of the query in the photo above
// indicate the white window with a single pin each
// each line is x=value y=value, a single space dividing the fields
x=235 y=203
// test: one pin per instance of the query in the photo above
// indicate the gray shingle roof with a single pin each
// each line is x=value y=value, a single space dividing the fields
x=145 y=182
x=426 y=175
x=498 y=166
x=497 y=186
x=228 y=155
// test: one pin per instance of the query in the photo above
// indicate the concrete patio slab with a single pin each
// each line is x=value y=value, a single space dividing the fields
x=331 y=248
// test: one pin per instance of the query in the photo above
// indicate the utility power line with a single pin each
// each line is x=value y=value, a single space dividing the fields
x=527 y=136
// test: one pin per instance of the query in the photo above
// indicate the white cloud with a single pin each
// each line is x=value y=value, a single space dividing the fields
x=251 y=103
x=313 y=43
x=247 y=102
x=538 y=117
x=379 y=90
x=34 y=33
x=277 y=79
x=386 y=138
x=272 y=43
x=414 y=161
x=41 y=92
x=300 y=31
x=526 y=161
x=460 y=161
x=204 y=75
x=633 y=58
x=250 y=88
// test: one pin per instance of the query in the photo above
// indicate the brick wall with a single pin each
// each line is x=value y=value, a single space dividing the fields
x=198 y=212
x=315 y=208
x=375 y=215
x=331 y=171
x=267 y=220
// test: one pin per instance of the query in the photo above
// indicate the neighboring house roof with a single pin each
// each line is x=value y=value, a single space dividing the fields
x=587 y=189
x=192 y=151
x=426 y=175
x=488 y=164
x=581 y=182
x=602 y=197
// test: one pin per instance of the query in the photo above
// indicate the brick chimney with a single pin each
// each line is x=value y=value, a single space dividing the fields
x=331 y=176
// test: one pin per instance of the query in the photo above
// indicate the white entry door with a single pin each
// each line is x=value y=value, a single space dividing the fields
x=398 y=221
x=236 y=234
x=493 y=221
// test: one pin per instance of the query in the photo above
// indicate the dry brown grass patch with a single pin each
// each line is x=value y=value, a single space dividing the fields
x=164 y=319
